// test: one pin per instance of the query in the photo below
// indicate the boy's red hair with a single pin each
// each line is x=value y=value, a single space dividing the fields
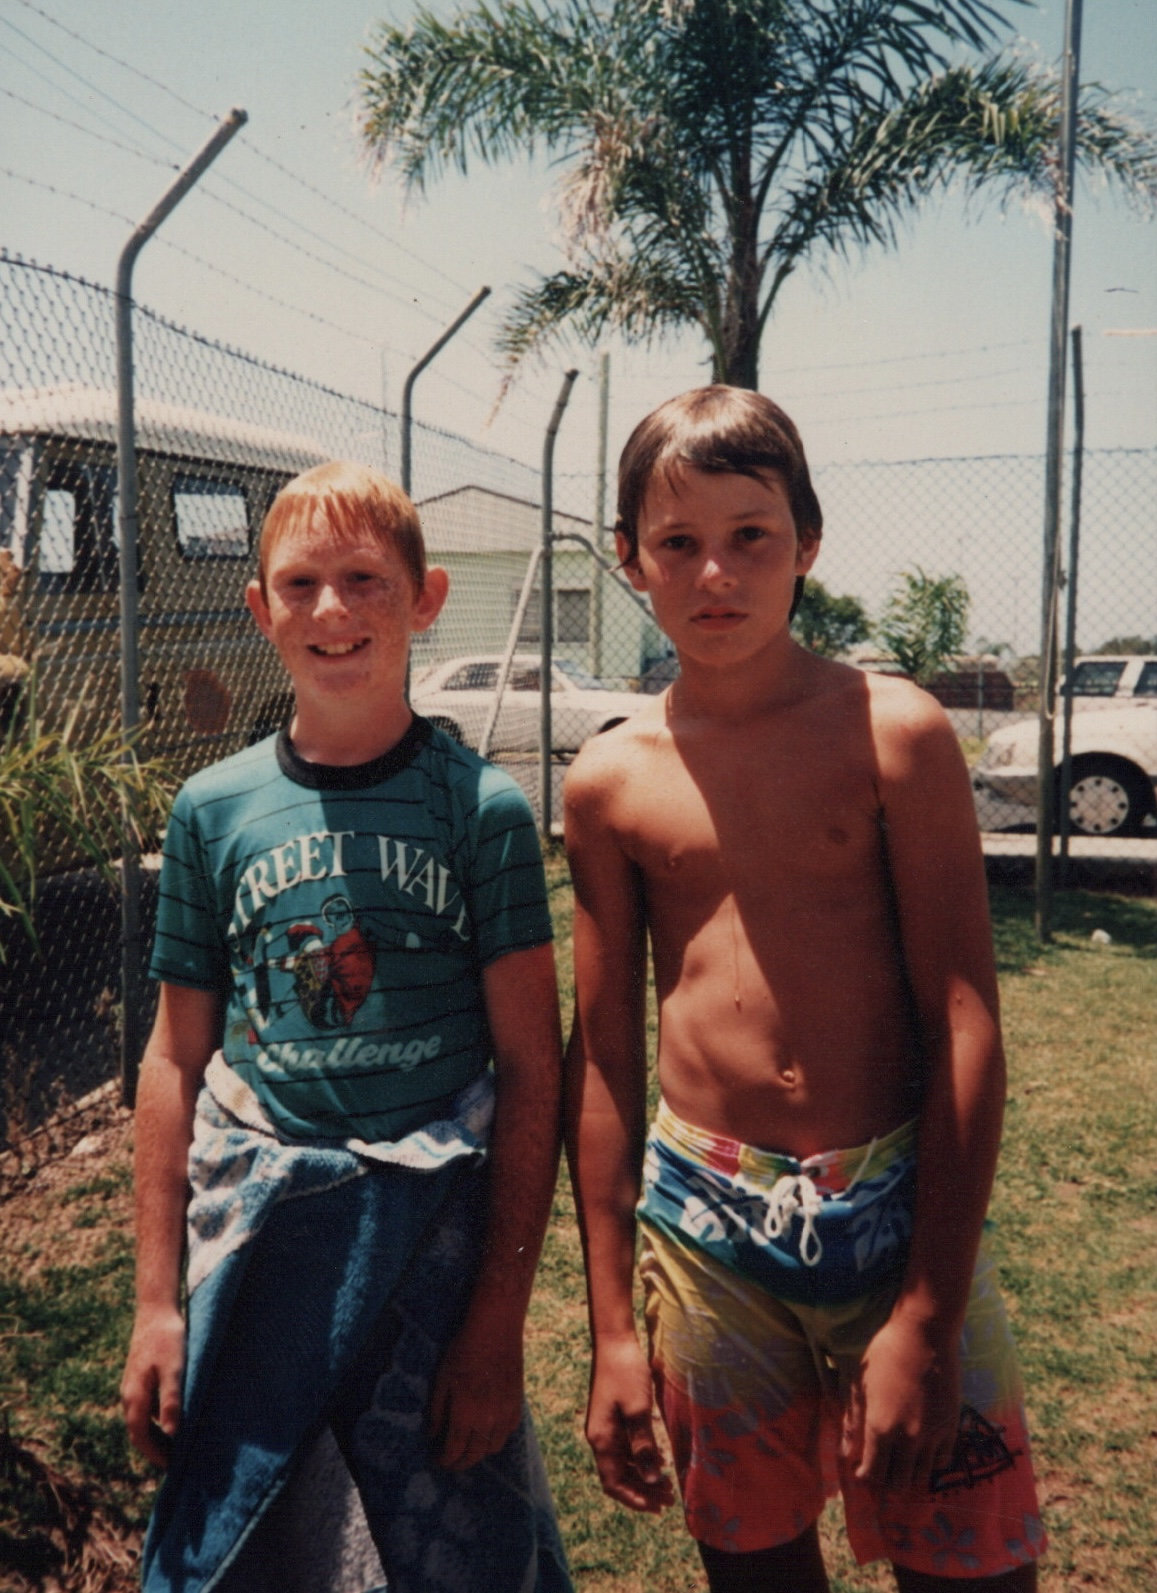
x=353 y=499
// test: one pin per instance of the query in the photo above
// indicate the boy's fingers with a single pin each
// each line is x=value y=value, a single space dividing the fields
x=644 y=1451
x=873 y=1466
x=852 y=1438
x=169 y=1404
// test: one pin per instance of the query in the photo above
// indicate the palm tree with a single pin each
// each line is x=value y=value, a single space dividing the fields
x=710 y=147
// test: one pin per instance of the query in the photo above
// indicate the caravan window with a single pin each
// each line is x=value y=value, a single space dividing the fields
x=212 y=518
x=75 y=548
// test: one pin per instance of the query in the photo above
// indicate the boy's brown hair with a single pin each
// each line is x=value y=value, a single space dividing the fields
x=353 y=498
x=720 y=430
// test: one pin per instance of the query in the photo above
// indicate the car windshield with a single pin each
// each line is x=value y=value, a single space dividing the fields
x=579 y=677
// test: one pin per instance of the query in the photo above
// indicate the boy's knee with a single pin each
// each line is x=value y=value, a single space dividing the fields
x=795 y=1567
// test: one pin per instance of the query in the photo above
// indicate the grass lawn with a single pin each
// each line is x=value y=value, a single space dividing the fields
x=1074 y=1228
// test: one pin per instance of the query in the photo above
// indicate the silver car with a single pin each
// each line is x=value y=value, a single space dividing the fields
x=457 y=697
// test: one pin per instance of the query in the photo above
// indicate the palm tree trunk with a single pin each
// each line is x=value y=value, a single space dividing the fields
x=741 y=310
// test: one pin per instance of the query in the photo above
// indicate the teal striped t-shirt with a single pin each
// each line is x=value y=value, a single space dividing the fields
x=346 y=915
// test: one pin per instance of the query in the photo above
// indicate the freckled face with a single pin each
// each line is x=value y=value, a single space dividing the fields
x=341 y=610
x=719 y=556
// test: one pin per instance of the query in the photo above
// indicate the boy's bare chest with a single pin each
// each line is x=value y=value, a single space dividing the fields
x=706 y=826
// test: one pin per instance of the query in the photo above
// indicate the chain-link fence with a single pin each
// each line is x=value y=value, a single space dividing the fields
x=942 y=557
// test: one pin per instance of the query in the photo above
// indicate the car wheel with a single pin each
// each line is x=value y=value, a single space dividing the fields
x=450 y=727
x=1107 y=797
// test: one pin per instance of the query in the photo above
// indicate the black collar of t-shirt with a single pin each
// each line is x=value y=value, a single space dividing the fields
x=354 y=776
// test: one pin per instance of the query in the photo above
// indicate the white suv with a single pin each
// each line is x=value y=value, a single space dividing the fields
x=1114 y=750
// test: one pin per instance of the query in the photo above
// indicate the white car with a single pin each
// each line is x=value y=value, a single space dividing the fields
x=1114 y=751
x=457 y=697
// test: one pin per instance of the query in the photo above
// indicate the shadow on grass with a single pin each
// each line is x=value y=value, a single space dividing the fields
x=1130 y=921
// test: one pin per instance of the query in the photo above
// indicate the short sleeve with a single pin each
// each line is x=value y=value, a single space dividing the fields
x=189 y=948
x=508 y=902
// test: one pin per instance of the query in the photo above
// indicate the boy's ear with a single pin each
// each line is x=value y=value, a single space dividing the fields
x=629 y=562
x=257 y=605
x=430 y=600
x=807 y=551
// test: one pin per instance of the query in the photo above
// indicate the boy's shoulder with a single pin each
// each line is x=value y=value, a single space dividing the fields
x=606 y=760
x=237 y=775
x=473 y=778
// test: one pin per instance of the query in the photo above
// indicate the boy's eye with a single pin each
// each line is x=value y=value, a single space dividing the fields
x=751 y=533
x=677 y=542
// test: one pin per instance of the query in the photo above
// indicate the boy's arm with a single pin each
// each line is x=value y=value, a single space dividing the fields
x=905 y=1409
x=186 y=1033
x=605 y=1117
x=476 y=1402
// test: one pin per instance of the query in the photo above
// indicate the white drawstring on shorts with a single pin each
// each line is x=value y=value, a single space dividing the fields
x=796 y=1192
x=791 y=1193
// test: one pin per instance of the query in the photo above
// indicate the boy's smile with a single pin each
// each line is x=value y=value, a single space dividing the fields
x=719 y=555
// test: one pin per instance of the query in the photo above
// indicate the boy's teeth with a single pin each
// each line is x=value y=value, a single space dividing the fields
x=335 y=649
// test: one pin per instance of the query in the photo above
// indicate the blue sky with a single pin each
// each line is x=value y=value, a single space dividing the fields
x=936 y=348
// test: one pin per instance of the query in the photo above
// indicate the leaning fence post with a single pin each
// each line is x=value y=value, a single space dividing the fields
x=131 y=1042
x=1062 y=260
x=1071 y=597
x=547 y=663
x=416 y=371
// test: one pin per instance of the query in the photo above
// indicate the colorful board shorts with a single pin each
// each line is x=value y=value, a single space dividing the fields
x=765 y=1279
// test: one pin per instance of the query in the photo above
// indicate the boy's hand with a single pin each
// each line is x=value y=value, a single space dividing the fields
x=620 y=1430
x=151 y=1385
x=904 y=1409
x=476 y=1400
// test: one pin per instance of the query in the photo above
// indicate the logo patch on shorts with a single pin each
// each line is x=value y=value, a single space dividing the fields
x=980 y=1454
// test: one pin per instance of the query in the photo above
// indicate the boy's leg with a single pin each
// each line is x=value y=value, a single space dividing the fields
x=752 y=1431
x=1022 y=1580
x=490 y=1529
x=795 y=1567
x=977 y=1523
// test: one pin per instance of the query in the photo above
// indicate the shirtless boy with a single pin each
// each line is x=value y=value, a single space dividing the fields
x=797 y=839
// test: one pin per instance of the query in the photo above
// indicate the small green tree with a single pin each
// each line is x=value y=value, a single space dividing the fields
x=924 y=622
x=829 y=624
x=1129 y=644
x=55 y=787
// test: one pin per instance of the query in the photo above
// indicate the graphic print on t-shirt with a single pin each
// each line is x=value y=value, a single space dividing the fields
x=304 y=950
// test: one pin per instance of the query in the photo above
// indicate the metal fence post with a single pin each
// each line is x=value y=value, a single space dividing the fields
x=546 y=666
x=599 y=523
x=1062 y=260
x=416 y=371
x=1071 y=597
x=131 y=1040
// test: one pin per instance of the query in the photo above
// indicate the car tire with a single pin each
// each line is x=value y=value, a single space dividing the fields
x=449 y=727
x=1107 y=797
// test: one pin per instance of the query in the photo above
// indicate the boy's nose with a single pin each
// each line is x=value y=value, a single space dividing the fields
x=714 y=574
x=329 y=600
